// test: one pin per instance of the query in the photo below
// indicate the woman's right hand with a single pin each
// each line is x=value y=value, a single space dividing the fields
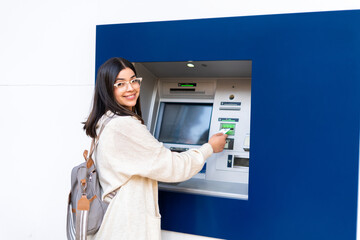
x=217 y=141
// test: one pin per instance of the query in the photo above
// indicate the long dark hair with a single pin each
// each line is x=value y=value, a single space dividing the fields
x=104 y=99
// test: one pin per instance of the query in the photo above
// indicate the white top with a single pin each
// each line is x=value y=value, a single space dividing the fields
x=130 y=161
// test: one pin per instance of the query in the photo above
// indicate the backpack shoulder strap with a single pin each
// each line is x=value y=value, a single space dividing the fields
x=95 y=141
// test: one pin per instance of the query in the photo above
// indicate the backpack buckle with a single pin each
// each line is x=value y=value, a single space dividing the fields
x=83 y=185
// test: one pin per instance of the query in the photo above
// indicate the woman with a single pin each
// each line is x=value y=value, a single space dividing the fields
x=130 y=160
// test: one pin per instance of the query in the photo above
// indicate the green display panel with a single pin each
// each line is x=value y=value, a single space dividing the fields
x=228 y=125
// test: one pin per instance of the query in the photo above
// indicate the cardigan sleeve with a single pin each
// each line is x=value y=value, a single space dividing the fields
x=127 y=148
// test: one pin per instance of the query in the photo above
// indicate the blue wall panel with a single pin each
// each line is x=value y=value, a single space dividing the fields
x=304 y=120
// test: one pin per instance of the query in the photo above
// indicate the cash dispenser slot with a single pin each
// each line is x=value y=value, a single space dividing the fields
x=240 y=162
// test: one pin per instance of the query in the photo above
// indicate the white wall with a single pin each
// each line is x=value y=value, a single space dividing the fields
x=47 y=58
x=114 y=11
x=47 y=51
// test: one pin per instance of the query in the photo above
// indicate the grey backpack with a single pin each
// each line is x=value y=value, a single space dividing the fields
x=85 y=207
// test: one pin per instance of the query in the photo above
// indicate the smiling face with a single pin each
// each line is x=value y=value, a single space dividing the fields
x=127 y=94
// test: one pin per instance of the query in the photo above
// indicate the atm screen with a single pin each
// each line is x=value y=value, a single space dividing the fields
x=183 y=123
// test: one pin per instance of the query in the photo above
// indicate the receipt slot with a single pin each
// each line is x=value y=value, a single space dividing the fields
x=183 y=112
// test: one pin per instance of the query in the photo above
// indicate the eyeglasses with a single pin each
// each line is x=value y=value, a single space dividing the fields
x=135 y=83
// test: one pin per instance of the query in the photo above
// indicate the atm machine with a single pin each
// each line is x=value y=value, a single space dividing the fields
x=185 y=112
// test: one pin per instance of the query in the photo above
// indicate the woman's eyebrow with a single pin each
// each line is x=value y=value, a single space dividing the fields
x=124 y=78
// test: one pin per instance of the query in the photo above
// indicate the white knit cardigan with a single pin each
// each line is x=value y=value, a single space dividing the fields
x=130 y=161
